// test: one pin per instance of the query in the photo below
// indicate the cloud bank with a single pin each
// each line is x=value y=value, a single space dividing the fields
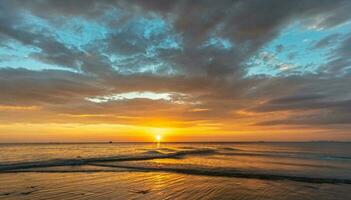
x=244 y=63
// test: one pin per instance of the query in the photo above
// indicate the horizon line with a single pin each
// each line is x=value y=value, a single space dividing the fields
x=112 y=142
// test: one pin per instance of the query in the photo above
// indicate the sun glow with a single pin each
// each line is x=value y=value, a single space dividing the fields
x=158 y=138
x=158 y=132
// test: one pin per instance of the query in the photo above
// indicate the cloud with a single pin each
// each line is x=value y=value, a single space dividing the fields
x=339 y=58
x=199 y=50
x=319 y=120
x=327 y=41
x=301 y=102
x=25 y=87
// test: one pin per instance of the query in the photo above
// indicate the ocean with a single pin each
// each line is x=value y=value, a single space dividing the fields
x=247 y=170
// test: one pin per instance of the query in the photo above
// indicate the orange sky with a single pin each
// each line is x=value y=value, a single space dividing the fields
x=215 y=71
x=51 y=132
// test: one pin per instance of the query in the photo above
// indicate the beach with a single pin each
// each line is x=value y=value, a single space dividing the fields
x=176 y=171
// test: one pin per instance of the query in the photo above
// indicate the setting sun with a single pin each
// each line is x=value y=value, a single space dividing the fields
x=158 y=138
x=158 y=133
x=118 y=99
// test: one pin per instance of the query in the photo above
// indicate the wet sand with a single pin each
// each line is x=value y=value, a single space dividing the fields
x=157 y=185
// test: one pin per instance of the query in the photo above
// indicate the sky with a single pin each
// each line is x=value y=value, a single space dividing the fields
x=196 y=70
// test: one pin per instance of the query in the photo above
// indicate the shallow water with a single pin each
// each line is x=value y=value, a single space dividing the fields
x=176 y=171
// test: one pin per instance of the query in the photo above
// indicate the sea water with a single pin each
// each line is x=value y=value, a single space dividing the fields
x=259 y=170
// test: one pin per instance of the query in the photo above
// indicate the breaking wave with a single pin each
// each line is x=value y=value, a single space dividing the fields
x=120 y=163
x=148 y=155
x=224 y=172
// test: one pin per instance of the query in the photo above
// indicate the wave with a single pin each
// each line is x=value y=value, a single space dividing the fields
x=235 y=173
x=289 y=154
x=117 y=164
x=167 y=149
x=214 y=172
x=285 y=155
x=229 y=149
x=153 y=152
x=158 y=149
x=149 y=155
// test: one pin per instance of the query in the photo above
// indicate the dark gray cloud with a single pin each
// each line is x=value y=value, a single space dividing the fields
x=339 y=58
x=228 y=19
x=25 y=87
x=302 y=102
x=321 y=119
x=296 y=98
x=327 y=41
x=208 y=71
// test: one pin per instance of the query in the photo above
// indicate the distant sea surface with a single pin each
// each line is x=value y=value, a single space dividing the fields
x=263 y=170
